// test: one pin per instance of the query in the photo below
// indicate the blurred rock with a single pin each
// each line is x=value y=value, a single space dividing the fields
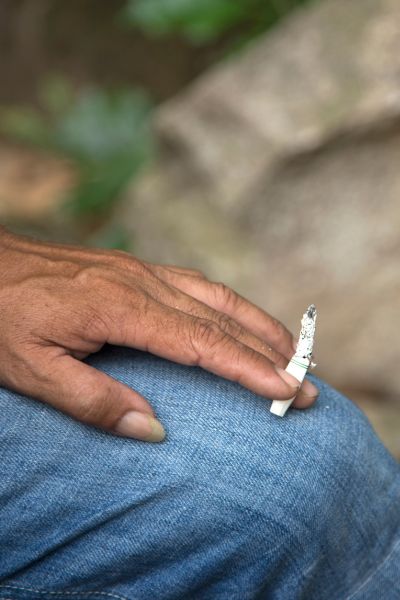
x=279 y=173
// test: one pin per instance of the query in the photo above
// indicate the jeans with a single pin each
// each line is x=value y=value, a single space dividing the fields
x=236 y=504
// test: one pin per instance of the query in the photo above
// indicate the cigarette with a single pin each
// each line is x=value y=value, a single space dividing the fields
x=302 y=358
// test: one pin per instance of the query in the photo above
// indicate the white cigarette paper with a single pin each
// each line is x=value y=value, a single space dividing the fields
x=301 y=360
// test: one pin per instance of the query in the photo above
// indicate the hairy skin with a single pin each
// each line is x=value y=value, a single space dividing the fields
x=60 y=303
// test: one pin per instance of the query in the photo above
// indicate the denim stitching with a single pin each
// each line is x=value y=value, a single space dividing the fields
x=109 y=595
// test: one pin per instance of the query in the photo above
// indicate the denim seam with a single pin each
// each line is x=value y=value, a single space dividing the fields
x=82 y=593
x=372 y=573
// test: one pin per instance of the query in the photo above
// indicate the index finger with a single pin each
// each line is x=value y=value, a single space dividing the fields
x=224 y=299
x=190 y=340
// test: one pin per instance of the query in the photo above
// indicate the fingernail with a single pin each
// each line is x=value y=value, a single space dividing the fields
x=288 y=378
x=141 y=427
x=309 y=389
x=294 y=346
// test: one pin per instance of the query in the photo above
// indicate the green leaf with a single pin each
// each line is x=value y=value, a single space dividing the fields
x=107 y=136
x=100 y=126
x=101 y=184
x=199 y=20
x=202 y=21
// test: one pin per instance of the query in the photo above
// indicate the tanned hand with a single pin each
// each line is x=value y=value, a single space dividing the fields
x=59 y=304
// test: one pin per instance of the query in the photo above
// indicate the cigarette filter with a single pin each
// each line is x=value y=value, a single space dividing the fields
x=301 y=360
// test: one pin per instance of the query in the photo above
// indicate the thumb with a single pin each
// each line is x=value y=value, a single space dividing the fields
x=95 y=398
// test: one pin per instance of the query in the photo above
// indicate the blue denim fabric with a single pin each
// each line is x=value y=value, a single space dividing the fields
x=237 y=504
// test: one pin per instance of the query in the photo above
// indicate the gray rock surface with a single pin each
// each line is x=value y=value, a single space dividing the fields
x=279 y=173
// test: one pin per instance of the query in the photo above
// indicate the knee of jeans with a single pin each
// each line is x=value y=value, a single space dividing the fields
x=223 y=437
x=223 y=431
x=301 y=469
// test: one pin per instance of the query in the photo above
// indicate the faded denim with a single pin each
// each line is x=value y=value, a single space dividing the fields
x=237 y=504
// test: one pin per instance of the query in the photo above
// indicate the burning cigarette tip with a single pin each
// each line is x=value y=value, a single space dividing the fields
x=311 y=311
x=302 y=359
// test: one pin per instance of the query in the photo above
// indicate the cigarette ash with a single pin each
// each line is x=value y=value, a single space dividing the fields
x=307 y=332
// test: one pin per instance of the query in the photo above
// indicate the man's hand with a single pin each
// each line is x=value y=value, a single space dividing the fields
x=58 y=304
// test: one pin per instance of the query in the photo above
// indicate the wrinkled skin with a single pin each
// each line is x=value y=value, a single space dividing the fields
x=61 y=303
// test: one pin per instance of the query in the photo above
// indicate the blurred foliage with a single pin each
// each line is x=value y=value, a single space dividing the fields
x=106 y=135
x=202 y=21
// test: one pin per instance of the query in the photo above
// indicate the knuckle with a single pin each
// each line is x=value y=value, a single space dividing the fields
x=136 y=267
x=207 y=333
x=94 y=326
x=277 y=359
x=92 y=405
x=127 y=262
x=89 y=411
x=86 y=403
x=115 y=257
x=196 y=273
x=90 y=275
x=225 y=296
x=109 y=268
x=278 y=329
x=229 y=326
x=183 y=271
x=158 y=270
x=121 y=255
